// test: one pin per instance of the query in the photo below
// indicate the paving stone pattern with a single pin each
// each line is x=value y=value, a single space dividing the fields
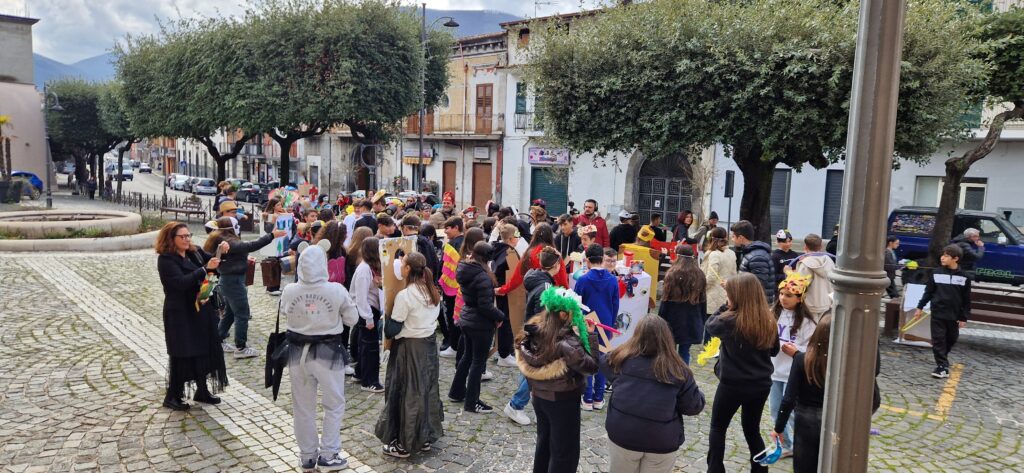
x=83 y=356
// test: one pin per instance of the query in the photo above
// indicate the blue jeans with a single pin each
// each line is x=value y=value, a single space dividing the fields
x=595 y=388
x=774 y=402
x=522 y=396
x=684 y=352
x=236 y=302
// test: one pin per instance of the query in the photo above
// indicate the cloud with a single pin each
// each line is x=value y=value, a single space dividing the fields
x=72 y=30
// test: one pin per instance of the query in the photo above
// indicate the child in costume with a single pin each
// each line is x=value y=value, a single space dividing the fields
x=555 y=352
x=796 y=324
x=805 y=392
x=599 y=290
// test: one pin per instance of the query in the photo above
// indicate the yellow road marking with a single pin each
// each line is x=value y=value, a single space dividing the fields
x=945 y=402
x=900 y=410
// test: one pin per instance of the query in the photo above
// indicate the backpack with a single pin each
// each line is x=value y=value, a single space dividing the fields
x=336 y=270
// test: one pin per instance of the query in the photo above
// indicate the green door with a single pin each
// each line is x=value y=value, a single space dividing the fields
x=550 y=184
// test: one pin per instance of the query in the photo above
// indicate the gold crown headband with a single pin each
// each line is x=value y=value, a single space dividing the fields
x=795 y=283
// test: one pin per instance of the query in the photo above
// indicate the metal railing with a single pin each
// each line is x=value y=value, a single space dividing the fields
x=527 y=121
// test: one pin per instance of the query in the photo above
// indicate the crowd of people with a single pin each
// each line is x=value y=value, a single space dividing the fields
x=769 y=313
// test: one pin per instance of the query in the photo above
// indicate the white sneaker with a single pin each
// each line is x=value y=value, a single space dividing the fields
x=247 y=352
x=349 y=370
x=228 y=347
x=517 y=415
x=487 y=376
x=598 y=405
x=587 y=406
x=447 y=353
x=274 y=293
x=508 y=361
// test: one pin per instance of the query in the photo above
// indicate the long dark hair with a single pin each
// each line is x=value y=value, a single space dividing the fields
x=652 y=338
x=369 y=251
x=481 y=256
x=473 y=235
x=551 y=327
x=271 y=204
x=684 y=281
x=543 y=235
x=816 y=358
x=421 y=277
x=335 y=233
x=800 y=313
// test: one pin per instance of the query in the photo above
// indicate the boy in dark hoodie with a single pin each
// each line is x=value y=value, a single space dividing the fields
x=949 y=291
x=599 y=290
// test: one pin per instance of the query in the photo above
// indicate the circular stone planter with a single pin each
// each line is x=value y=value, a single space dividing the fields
x=39 y=224
x=83 y=245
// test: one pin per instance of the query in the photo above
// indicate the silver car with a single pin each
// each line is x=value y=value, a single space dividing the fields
x=180 y=181
x=205 y=186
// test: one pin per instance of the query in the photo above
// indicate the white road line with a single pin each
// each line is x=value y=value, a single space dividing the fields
x=246 y=415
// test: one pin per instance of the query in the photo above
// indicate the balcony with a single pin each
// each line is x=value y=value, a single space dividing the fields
x=528 y=121
x=454 y=124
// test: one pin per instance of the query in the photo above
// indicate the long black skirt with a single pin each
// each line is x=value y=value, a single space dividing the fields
x=185 y=373
x=412 y=411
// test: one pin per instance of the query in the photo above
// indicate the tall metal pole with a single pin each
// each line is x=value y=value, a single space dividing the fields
x=859 y=277
x=417 y=176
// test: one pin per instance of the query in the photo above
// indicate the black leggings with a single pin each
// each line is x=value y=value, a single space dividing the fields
x=558 y=435
x=471 y=367
x=806 y=438
x=368 y=369
x=728 y=399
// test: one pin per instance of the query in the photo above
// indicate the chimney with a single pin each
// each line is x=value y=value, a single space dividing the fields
x=16 y=63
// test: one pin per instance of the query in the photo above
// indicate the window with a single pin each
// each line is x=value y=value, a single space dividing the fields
x=524 y=37
x=779 y=207
x=928 y=192
x=520 y=97
x=990 y=231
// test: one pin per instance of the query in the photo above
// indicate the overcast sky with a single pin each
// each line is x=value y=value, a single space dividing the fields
x=72 y=30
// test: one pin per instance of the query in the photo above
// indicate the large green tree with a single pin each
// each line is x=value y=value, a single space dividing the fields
x=1002 y=39
x=115 y=122
x=770 y=79
x=78 y=130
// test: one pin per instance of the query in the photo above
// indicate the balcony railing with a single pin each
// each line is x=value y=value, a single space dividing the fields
x=457 y=124
x=527 y=121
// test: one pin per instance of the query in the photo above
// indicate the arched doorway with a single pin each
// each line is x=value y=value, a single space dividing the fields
x=663 y=187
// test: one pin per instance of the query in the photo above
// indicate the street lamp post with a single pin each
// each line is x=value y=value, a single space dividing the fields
x=417 y=177
x=46 y=130
x=858 y=277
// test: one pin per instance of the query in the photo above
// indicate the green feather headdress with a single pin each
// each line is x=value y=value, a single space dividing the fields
x=560 y=299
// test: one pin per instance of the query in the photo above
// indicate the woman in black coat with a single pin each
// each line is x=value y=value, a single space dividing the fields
x=190 y=330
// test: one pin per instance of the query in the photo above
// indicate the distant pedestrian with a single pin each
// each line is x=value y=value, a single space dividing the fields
x=718 y=265
x=556 y=351
x=658 y=228
x=744 y=369
x=784 y=254
x=625 y=231
x=590 y=216
x=755 y=257
x=949 y=292
x=891 y=265
x=90 y=186
x=566 y=240
x=832 y=247
x=190 y=323
x=973 y=249
x=654 y=389
x=819 y=266
x=366 y=293
x=683 y=301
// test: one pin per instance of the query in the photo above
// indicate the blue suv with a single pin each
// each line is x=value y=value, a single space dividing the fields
x=1004 y=244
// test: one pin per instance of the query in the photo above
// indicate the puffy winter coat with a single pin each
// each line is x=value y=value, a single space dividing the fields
x=756 y=258
x=479 y=311
x=563 y=375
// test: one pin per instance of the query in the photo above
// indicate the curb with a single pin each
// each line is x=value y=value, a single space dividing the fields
x=118 y=243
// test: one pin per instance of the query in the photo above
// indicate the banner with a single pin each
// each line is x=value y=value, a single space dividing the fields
x=549 y=156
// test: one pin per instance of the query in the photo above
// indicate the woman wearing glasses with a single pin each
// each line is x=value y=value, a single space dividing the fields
x=190 y=324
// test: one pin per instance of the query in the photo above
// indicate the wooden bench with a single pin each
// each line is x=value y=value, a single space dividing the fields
x=189 y=207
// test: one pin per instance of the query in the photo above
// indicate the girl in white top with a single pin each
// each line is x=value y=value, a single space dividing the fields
x=718 y=265
x=796 y=324
x=411 y=419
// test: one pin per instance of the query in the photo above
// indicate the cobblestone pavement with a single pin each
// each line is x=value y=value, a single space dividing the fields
x=82 y=353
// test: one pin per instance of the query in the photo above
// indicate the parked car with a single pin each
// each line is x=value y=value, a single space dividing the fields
x=250 y=194
x=126 y=171
x=33 y=186
x=191 y=184
x=180 y=182
x=237 y=183
x=205 y=186
x=133 y=163
x=66 y=167
x=1003 y=261
x=144 y=168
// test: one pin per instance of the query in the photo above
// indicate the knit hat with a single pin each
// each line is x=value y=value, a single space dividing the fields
x=645 y=233
x=560 y=299
x=713 y=215
x=448 y=198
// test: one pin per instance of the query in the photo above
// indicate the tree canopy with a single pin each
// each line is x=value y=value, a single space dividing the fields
x=82 y=129
x=770 y=79
x=288 y=68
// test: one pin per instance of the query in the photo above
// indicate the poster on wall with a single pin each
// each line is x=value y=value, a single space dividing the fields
x=481 y=152
x=549 y=156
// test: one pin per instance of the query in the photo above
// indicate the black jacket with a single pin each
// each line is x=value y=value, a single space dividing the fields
x=426 y=247
x=740 y=363
x=949 y=291
x=566 y=244
x=367 y=220
x=188 y=332
x=891 y=263
x=479 y=311
x=646 y=415
x=499 y=264
x=235 y=261
x=779 y=260
x=686 y=320
x=622 y=233
x=972 y=253
x=756 y=259
x=535 y=282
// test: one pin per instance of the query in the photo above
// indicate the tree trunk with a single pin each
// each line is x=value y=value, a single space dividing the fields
x=956 y=169
x=285 y=143
x=757 y=188
x=221 y=160
x=120 y=168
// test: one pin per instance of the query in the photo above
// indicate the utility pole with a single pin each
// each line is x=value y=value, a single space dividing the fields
x=859 y=278
x=417 y=176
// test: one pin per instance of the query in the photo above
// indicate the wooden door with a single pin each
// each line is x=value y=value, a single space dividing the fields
x=481 y=185
x=484 y=108
x=448 y=178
